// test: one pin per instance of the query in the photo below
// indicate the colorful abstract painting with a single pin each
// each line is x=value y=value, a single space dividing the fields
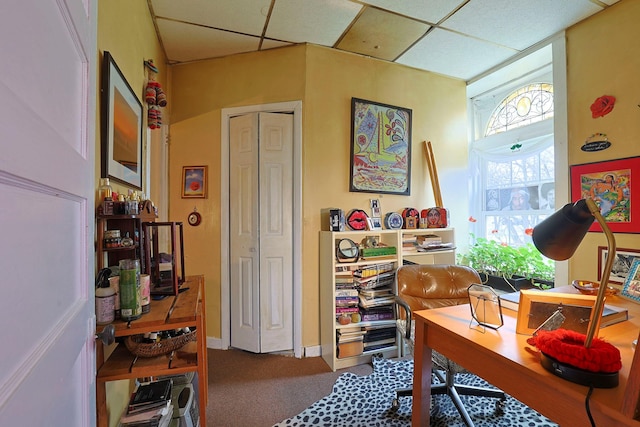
x=380 y=148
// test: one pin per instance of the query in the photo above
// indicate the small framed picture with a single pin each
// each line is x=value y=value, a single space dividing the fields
x=536 y=307
x=374 y=223
x=485 y=306
x=194 y=182
x=375 y=208
x=631 y=287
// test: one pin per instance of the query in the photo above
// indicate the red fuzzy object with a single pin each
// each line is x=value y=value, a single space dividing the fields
x=567 y=346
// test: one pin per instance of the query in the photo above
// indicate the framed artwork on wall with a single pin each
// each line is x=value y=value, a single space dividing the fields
x=621 y=265
x=610 y=184
x=121 y=127
x=194 y=182
x=631 y=287
x=380 y=148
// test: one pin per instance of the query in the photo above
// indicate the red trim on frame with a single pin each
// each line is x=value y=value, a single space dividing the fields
x=584 y=178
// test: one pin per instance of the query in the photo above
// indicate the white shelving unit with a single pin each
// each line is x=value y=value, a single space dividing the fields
x=328 y=267
x=440 y=256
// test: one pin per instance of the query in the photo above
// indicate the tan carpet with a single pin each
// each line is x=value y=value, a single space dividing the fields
x=247 y=389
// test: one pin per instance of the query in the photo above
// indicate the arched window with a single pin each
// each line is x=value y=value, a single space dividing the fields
x=529 y=104
x=513 y=163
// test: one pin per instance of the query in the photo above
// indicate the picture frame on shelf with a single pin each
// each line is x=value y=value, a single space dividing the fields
x=609 y=183
x=194 y=182
x=631 y=287
x=380 y=148
x=121 y=127
x=621 y=265
x=374 y=223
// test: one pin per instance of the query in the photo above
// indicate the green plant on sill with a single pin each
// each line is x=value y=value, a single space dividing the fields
x=494 y=258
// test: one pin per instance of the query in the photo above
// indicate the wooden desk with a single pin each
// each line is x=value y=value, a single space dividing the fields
x=504 y=359
x=183 y=310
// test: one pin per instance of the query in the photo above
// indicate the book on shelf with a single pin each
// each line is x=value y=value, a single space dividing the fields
x=346 y=310
x=347 y=301
x=350 y=336
x=349 y=349
x=434 y=247
x=377 y=313
x=150 y=395
x=159 y=417
x=351 y=292
x=349 y=329
x=344 y=279
x=376 y=301
x=381 y=343
x=610 y=315
x=383 y=291
x=428 y=238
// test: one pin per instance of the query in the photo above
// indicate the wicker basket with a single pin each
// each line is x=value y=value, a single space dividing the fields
x=135 y=345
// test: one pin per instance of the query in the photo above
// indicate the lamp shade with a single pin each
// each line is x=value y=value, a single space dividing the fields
x=558 y=236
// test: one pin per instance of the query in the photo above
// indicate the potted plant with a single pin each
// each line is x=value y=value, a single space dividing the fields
x=509 y=268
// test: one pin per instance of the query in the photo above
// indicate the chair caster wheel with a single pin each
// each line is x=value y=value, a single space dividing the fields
x=395 y=404
x=500 y=405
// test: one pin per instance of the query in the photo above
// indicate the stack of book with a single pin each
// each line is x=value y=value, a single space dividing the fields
x=432 y=242
x=409 y=243
x=378 y=337
x=150 y=405
x=376 y=299
x=346 y=301
x=349 y=341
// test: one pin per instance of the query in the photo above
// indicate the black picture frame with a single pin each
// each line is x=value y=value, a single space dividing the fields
x=380 y=148
x=121 y=127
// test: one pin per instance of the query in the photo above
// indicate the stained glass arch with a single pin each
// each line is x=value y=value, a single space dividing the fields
x=524 y=106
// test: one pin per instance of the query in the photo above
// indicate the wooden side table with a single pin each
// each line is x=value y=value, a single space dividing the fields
x=183 y=310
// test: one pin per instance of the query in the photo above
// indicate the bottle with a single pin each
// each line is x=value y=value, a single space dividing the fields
x=105 y=299
x=130 y=304
x=105 y=192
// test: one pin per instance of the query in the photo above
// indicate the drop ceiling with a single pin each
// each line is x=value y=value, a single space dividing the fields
x=458 y=38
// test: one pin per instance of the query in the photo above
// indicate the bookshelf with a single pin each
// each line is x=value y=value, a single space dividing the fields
x=367 y=286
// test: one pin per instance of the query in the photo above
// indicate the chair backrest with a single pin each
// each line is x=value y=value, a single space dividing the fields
x=425 y=286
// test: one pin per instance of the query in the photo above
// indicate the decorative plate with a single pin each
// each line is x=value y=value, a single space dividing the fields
x=393 y=221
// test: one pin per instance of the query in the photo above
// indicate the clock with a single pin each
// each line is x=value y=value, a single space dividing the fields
x=194 y=218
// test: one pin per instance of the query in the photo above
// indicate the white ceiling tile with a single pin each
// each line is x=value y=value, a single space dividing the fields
x=454 y=55
x=518 y=24
x=430 y=11
x=244 y=16
x=320 y=22
x=184 y=42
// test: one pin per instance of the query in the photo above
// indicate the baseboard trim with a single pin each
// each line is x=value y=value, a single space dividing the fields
x=216 y=344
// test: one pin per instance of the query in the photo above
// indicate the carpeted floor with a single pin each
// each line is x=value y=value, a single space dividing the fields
x=364 y=401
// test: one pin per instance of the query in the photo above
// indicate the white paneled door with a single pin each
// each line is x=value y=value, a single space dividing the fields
x=261 y=231
x=47 y=192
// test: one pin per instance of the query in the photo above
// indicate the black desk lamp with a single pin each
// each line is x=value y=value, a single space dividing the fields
x=565 y=353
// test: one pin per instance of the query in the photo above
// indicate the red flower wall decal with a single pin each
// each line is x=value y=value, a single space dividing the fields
x=602 y=106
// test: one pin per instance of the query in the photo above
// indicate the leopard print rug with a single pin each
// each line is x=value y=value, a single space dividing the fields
x=365 y=401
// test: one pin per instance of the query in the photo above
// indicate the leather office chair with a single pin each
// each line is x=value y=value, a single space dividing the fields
x=427 y=286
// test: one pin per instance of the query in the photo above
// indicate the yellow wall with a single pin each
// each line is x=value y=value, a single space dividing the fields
x=604 y=59
x=325 y=81
x=125 y=30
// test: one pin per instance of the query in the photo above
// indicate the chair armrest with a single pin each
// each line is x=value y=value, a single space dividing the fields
x=402 y=304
